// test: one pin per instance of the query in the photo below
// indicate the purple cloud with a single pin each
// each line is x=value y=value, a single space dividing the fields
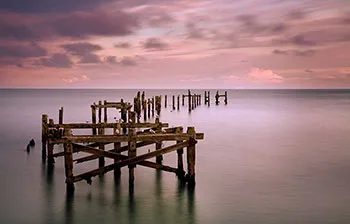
x=81 y=48
x=22 y=50
x=128 y=61
x=122 y=45
x=111 y=60
x=300 y=53
x=56 y=60
x=155 y=44
x=89 y=58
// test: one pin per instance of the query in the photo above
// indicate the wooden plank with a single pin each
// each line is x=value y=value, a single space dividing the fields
x=107 y=125
x=130 y=161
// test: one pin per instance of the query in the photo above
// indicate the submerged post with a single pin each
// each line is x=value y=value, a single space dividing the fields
x=152 y=106
x=99 y=111
x=159 y=159
x=50 y=159
x=173 y=102
x=225 y=97
x=180 y=163
x=178 y=102
x=60 y=116
x=189 y=101
x=165 y=101
x=123 y=114
x=191 y=157
x=44 y=135
x=117 y=145
x=105 y=111
x=132 y=149
x=217 y=98
x=101 y=159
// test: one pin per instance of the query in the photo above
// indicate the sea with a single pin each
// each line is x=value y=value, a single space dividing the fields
x=268 y=156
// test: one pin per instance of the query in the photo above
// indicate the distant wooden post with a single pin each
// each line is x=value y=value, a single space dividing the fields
x=180 y=164
x=68 y=162
x=152 y=106
x=123 y=114
x=165 y=101
x=158 y=105
x=173 y=102
x=191 y=156
x=208 y=98
x=144 y=106
x=101 y=159
x=105 y=111
x=142 y=100
x=132 y=149
x=178 y=102
x=44 y=135
x=159 y=159
x=93 y=118
x=189 y=101
x=183 y=100
x=149 y=108
x=217 y=98
x=225 y=97
x=99 y=111
x=60 y=116
x=136 y=109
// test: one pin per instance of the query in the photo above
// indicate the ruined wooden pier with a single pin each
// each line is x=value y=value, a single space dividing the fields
x=129 y=136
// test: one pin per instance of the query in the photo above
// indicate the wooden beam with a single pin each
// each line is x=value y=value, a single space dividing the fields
x=107 y=125
x=130 y=161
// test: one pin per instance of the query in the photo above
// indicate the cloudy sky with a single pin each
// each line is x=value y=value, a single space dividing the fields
x=175 y=43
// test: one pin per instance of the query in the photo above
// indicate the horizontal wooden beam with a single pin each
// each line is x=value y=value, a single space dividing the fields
x=123 y=138
x=108 y=125
x=130 y=161
x=121 y=149
x=58 y=154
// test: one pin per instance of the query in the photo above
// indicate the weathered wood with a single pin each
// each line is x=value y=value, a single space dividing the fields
x=100 y=111
x=165 y=101
x=189 y=101
x=130 y=161
x=107 y=125
x=217 y=98
x=131 y=154
x=50 y=159
x=105 y=111
x=159 y=158
x=153 y=106
x=68 y=161
x=149 y=107
x=180 y=152
x=183 y=100
x=60 y=116
x=122 y=149
x=178 y=102
x=173 y=102
x=123 y=112
x=93 y=118
x=101 y=160
x=44 y=128
x=143 y=99
x=225 y=97
x=117 y=148
x=191 y=157
x=144 y=106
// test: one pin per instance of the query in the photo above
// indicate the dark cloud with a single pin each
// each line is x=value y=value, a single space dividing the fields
x=299 y=53
x=72 y=25
x=250 y=24
x=49 y=6
x=81 y=48
x=111 y=60
x=153 y=16
x=309 y=71
x=122 y=45
x=297 y=15
x=89 y=58
x=300 y=40
x=56 y=60
x=128 y=61
x=194 y=32
x=155 y=44
x=22 y=51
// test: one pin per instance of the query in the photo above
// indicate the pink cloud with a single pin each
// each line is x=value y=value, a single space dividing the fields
x=75 y=79
x=264 y=75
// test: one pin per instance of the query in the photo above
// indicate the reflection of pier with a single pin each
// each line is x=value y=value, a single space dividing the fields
x=128 y=130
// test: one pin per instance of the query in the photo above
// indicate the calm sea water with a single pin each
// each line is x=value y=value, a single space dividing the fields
x=269 y=156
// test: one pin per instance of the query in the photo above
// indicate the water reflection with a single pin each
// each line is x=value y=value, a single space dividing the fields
x=49 y=188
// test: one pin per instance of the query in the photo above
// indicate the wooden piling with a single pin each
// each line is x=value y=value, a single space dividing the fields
x=149 y=107
x=44 y=135
x=152 y=106
x=178 y=102
x=132 y=149
x=159 y=158
x=142 y=100
x=93 y=118
x=68 y=162
x=165 y=101
x=191 y=156
x=173 y=102
x=180 y=165
x=189 y=101
x=225 y=97
x=105 y=111
x=117 y=146
x=183 y=100
x=99 y=111
x=101 y=159
x=208 y=98
x=123 y=112
x=217 y=98
x=144 y=106
x=60 y=116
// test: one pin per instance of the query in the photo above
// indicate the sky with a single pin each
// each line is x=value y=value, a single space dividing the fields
x=230 y=44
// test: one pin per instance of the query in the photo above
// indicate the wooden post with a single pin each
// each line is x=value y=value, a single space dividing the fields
x=165 y=101
x=117 y=146
x=158 y=104
x=149 y=108
x=152 y=106
x=144 y=106
x=173 y=102
x=101 y=159
x=93 y=118
x=208 y=98
x=191 y=157
x=60 y=116
x=217 y=98
x=189 y=101
x=123 y=114
x=183 y=100
x=105 y=111
x=205 y=97
x=99 y=111
x=225 y=97
x=178 y=102
x=50 y=159
x=68 y=162
x=132 y=150
x=44 y=135
x=159 y=159
x=180 y=164
x=142 y=100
